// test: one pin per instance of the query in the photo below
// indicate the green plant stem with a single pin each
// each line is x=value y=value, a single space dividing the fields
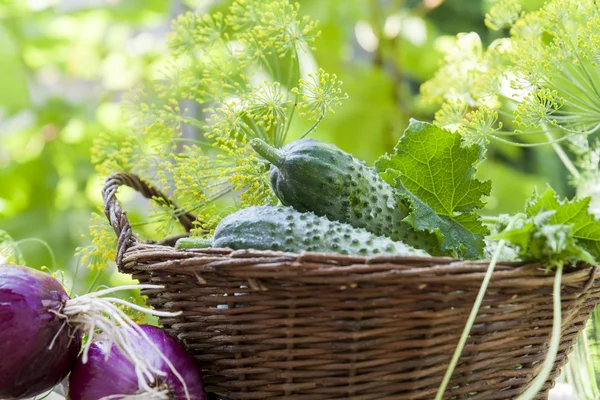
x=489 y=219
x=590 y=383
x=561 y=154
x=193 y=243
x=270 y=153
x=537 y=144
x=91 y=287
x=312 y=128
x=542 y=377
x=268 y=65
x=46 y=394
x=472 y=316
x=43 y=243
x=289 y=121
x=75 y=275
x=293 y=108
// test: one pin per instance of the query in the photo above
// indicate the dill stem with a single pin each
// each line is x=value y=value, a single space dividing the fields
x=77 y=265
x=94 y=281
x=312 y=128
x=44 y=244
x=561 y=154
x=296 y=63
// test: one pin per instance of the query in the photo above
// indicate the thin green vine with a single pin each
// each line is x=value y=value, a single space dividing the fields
x=471 y=320
x=544 y=373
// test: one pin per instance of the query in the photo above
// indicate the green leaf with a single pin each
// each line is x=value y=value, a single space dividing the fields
x=585 y=227
x=519 y=234
x=555 y=232
x=436 y=174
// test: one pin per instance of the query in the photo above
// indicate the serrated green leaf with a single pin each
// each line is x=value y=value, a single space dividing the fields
x=585 y=227
x=436 y=174
x=519 y=235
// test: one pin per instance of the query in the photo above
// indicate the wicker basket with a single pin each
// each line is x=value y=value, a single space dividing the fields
x=272 y=325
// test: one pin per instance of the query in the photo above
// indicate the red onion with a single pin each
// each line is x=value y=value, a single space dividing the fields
x=109 y=374
x=40 y=331
x=37 y=347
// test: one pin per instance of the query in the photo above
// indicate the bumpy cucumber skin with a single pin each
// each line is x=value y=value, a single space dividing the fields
x=319 y=177
x=311 y=175
x=285 y=229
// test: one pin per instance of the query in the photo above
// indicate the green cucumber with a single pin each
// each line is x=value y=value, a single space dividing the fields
x=285 y=229
x=310 y=175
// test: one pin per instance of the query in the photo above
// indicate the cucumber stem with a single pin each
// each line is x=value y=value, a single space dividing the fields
x=270 y=153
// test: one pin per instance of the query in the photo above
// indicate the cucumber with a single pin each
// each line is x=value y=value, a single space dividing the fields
x=285 y=229
x=310 y=175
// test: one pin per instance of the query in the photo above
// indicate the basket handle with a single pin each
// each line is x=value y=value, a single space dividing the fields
x=118 y=218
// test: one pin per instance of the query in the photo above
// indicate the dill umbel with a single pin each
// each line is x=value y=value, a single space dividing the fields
x=230 y=77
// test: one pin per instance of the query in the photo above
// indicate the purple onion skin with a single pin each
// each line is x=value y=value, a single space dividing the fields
x=99 y=378
x=27 y=327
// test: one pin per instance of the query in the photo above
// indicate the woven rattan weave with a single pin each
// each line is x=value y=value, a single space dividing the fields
x=271 y=325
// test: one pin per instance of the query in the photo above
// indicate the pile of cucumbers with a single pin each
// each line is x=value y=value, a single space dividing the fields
x=330 y=202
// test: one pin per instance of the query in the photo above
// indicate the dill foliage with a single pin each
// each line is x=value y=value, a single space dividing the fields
x=229 y=78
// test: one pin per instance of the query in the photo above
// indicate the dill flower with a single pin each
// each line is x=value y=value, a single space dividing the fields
x=479 y=125
x=245 y=14
x=289 y=32
x=103 y=244
x=451 y=114
x=229 y=77
x=112 y=152
x=136 y=316
x=462 y=75
x=191 y=33
x=271 y=27
x=537 y=108
x=320 y=94
x=269 y=107
x=542 y=82
x=503 y=14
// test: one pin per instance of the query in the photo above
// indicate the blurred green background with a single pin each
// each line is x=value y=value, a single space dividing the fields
x=65 y=64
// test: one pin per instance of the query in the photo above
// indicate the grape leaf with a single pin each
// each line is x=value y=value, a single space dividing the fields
x=435 y=174
x=585 y=228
